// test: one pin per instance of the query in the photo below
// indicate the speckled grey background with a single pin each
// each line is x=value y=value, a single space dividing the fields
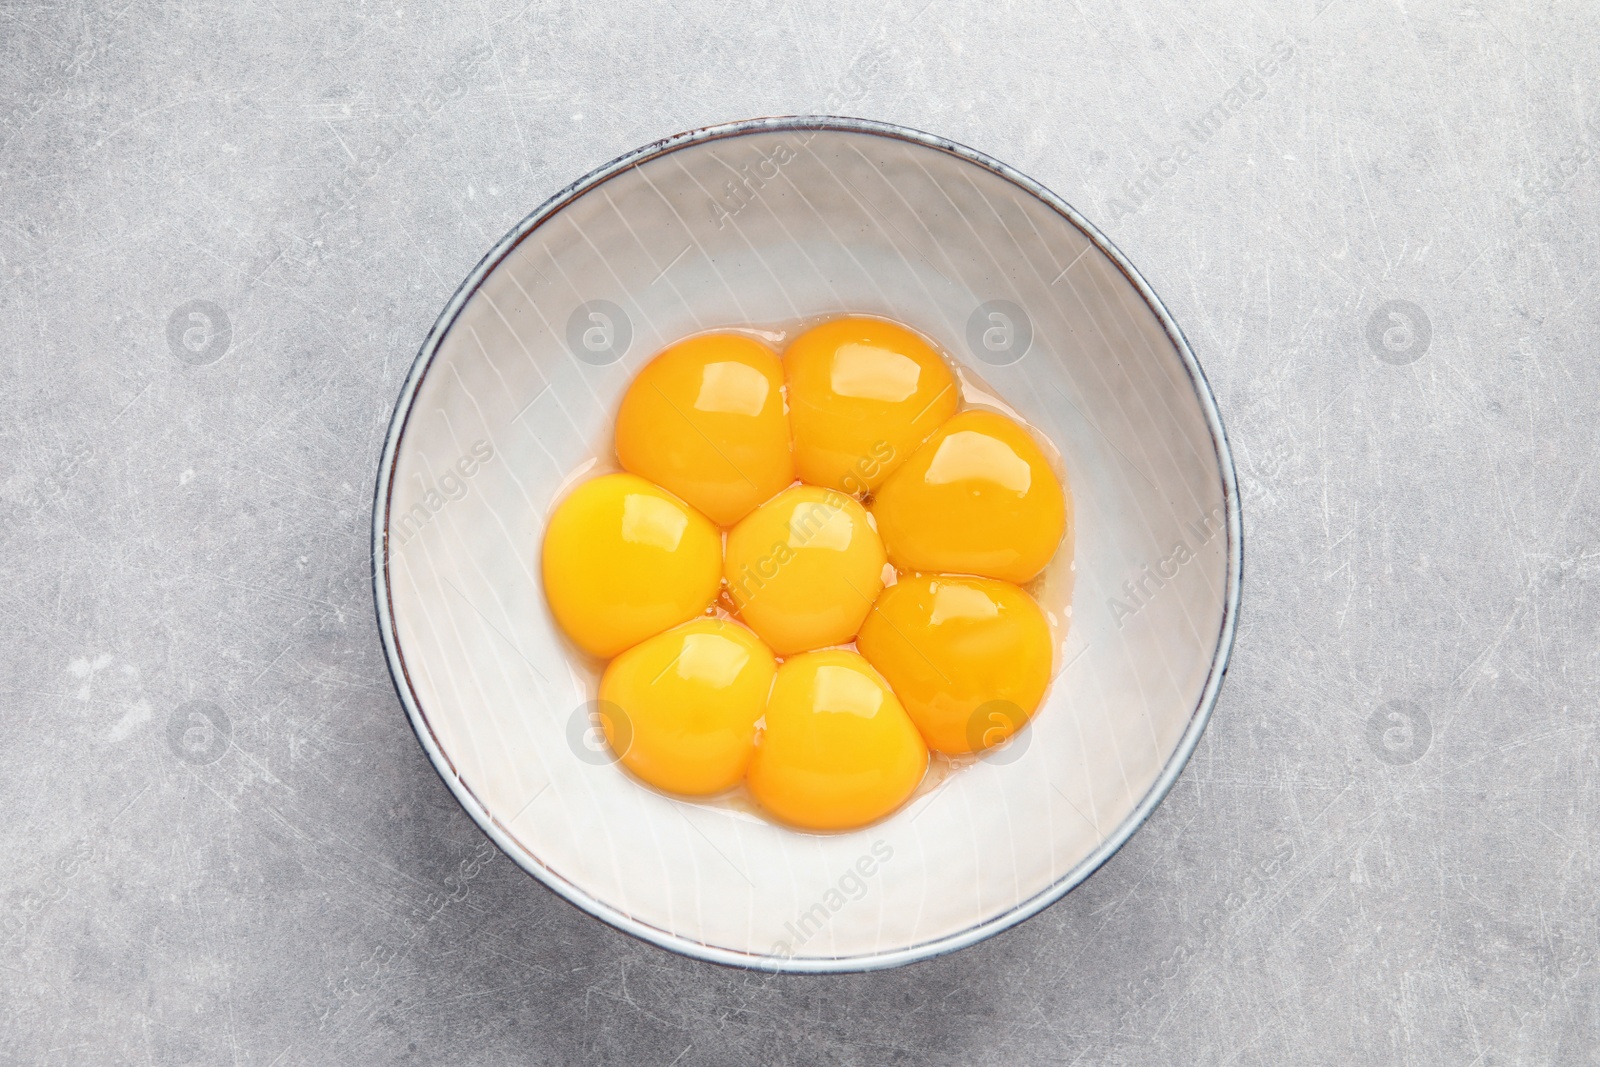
x=222 y=844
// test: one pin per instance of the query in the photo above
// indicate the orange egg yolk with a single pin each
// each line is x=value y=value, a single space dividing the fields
x=680 y=708
x=838 y=750
x=978 y=498
x=804 y=568
x=863 y=394
x=624 y=560
x=970 y=658
x=705 y=420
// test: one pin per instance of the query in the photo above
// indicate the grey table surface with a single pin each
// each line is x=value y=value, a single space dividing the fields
x=1384 y=850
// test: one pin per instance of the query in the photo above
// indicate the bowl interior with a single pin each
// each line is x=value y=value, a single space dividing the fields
x=770 y=224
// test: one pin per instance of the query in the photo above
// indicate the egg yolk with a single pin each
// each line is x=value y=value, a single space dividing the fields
x=680 y=708
x=838 y=750
x=804 y=568
x=705 y=419
x=969 y=658
x=978 y=498
x=863 y=394
x=624 y=560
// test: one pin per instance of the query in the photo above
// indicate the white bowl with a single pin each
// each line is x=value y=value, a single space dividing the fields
x=765 y=222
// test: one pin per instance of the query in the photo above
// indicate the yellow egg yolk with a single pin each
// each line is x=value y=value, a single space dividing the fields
x=680 y=708
x=978 y=498
x=804 y=568
x=969 y=658
x=705 y=419
x=863 y=394
x=624 y=560
x=838 y=750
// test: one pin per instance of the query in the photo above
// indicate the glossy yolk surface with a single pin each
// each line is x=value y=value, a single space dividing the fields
x=804 y=568
x=838 y=750
x=680 y=708
x=969 y=658
x=624 y=560
x=705 y=420
x=978 y=498
x=863 y=394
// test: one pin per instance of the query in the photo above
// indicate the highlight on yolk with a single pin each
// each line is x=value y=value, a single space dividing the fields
x=680 y=708
x=838 y=750
x=705 y=420
x=863 y=394
x=624 y=560
x=804 y=568
x=978 y=498
x=969 y=658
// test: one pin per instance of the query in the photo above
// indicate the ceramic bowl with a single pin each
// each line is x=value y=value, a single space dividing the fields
x=772 y=222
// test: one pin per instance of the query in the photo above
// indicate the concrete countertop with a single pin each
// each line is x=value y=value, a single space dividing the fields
x=224 y=231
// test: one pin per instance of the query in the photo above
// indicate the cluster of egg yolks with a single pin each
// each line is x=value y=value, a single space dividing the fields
x=624 y=560
x=863 y=394
x=839 y=750
x=978 y=498
x=681 y=707
x=954 y=657
x=705 y=420
x=969 y=658
x=804 y=568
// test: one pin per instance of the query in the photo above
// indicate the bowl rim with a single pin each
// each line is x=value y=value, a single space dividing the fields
x=500 y=835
